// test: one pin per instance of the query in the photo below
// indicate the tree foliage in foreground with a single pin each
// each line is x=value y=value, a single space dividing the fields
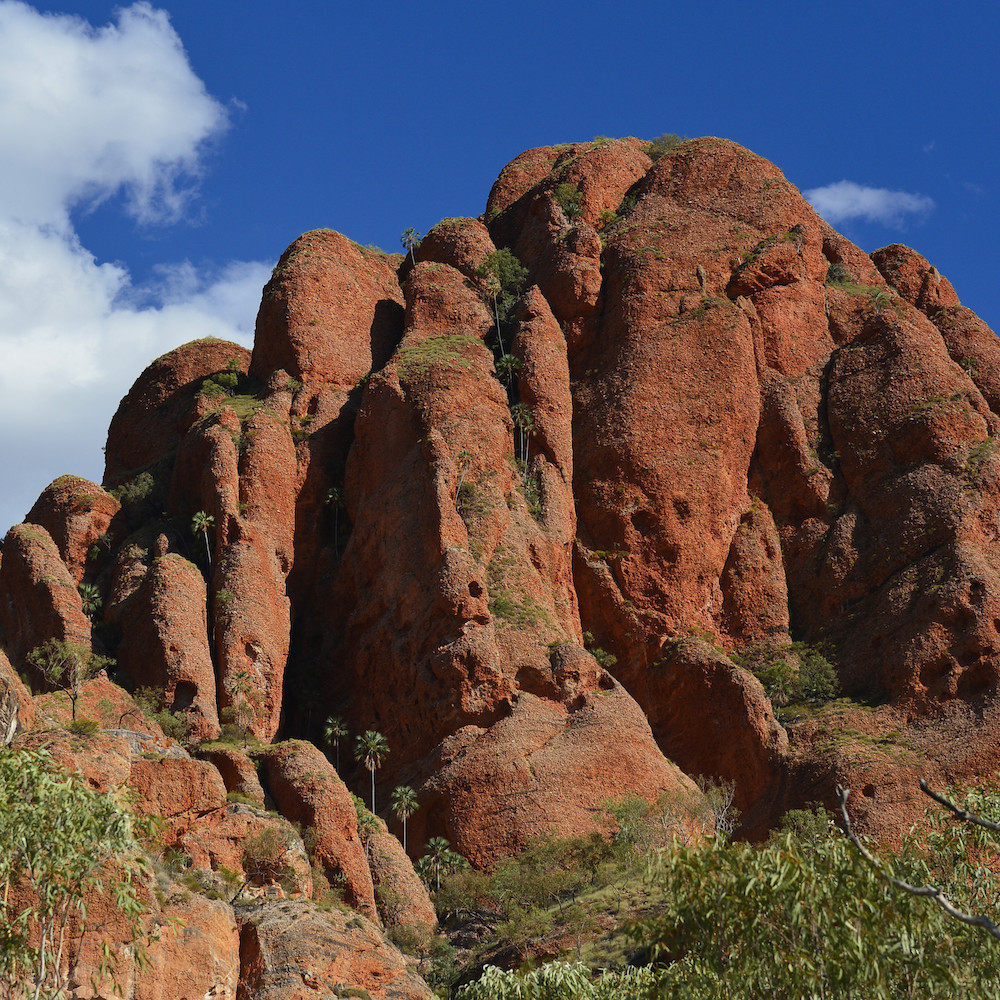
x=806 y=916
x=557 y=980
x=62 y=841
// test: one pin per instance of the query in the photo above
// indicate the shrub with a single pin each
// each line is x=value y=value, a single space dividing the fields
x=605 y=659
x=152 y=702
x=265 y=857
x=794 y=672
x=838 y=274
x=560 y=981
x=521 y=614
x=569 y=198
x=83 y=727
x=663 y=144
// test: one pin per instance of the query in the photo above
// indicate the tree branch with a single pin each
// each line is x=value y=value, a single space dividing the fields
x=929 y=891
x=962 y=814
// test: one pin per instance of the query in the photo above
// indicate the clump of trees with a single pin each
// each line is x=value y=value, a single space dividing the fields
x=809 y=915
x=791 y=672
x=503 y=279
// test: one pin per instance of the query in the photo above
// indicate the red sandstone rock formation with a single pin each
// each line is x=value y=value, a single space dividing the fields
x=288 y=954
x=403 y=900
x=77 y=514
x=165 y=641
x=41 y=600
x=306 y=789
x=709 y=424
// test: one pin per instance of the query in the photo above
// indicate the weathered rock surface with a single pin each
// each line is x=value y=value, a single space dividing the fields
x=163 y=404
x=165 y=641
x=330 y=313
x=291 y=951
x=307 y=790
x=403 y=900
x=40 y=600
x=77 y=515
x=708 y=424
x=238 y=772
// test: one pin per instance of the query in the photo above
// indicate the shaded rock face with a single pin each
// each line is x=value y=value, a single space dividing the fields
x=707 y=422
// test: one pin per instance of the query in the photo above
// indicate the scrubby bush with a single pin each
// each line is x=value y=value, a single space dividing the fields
x=569 y=198
x=559 y=981
x=792 y=672
x=663 y=144
x=839 y=274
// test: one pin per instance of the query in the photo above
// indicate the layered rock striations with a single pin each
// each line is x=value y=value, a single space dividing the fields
x=524 y=503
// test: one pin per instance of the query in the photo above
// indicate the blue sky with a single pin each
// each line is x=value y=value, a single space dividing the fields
x=157 y=158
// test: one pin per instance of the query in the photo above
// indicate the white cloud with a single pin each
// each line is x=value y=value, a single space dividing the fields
x=846 y=200
x=86 y=114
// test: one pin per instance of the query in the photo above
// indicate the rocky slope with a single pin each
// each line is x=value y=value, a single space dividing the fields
x=707 y=426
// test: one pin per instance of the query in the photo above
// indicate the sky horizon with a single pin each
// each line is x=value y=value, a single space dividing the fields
x=159 y=157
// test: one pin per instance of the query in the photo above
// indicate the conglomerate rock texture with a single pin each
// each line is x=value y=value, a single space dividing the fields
x=522 y=504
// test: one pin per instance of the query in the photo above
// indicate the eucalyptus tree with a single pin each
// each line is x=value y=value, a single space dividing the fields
x=68 y=844
x=67 y=666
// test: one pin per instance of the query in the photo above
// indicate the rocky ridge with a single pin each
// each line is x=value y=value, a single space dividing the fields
x=564 y=507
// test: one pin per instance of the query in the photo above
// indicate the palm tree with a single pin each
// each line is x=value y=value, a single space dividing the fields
x=493 y=290
x=369 y=749
x=439 y=858
x=404 y=805
x=90 y=597
x=200 y=523
x=525 y=423
x=334 y=730
x=410 y=239
x=245 y=699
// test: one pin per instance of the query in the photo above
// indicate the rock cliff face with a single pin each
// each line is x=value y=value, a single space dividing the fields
x=523 y=505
